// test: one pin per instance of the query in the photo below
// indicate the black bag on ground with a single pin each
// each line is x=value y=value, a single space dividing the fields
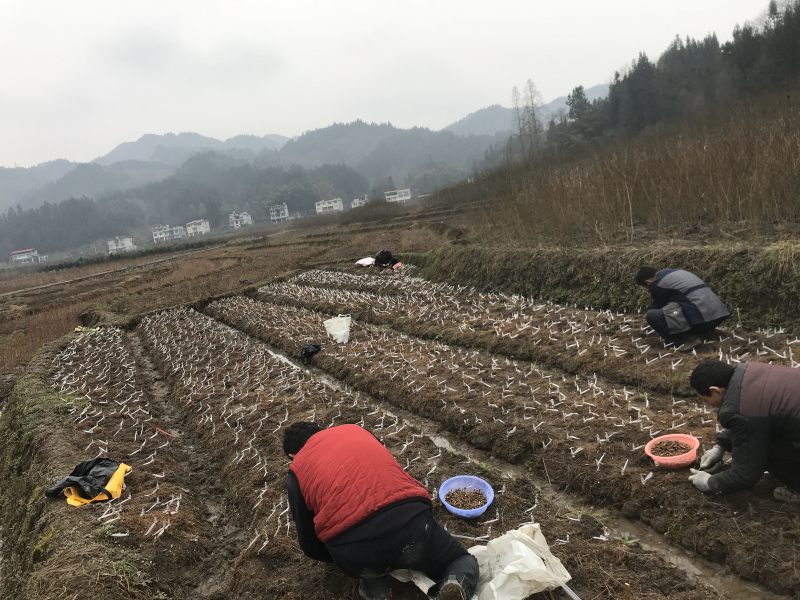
x=89 y=479
x=309 y=350
x=384 y=258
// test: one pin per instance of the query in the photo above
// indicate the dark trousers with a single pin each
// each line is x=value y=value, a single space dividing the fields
x=421 y=545
x=784 y=463
x=656 y=319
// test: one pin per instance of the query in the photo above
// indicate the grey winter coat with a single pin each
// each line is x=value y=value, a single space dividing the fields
x=686 y=300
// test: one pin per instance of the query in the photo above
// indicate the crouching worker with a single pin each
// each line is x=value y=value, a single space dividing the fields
x=759 y=407
x=355 y=506
x=682 y=304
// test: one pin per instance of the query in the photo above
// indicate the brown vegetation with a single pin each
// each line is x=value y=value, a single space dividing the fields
x=734 y=175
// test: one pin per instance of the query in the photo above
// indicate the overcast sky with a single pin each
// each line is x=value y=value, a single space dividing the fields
x=77 y=78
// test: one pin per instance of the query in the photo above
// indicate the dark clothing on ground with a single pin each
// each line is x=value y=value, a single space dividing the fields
x=682 y=302
x=760 y=412
x=657 y=320
x=384 y=258
x=400 y=534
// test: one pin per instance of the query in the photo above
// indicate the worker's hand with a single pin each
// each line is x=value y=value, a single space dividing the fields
x=700 y=480
x=711 y=457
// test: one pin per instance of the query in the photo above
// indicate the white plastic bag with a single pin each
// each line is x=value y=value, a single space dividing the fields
x=338 y=328
x=517 y=564
x=512 y=567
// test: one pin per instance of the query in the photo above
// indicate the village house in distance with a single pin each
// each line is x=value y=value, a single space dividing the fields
x=28 y=256
x=398 y=195
x=168 y=233
x=328 y=206
x=279 y=213
x=171 y=233
x=356 y=202
x=198 y=227
x=237 y=220
x=121 y=244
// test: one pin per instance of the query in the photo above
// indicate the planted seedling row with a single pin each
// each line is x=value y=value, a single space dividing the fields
x=619 y=346
x=583 y=433
x=227 y=378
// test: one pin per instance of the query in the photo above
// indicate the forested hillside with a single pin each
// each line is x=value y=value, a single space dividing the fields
x=706 y=139
x=207 y=186
x=417 y=157
x=708 y=131
x=18 y=182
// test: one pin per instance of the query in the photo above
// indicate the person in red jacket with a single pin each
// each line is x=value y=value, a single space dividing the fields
x=355 y=506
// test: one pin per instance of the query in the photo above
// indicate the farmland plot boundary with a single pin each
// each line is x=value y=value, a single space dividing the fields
x=140 y=564
x=564 y=448
x=762 y=282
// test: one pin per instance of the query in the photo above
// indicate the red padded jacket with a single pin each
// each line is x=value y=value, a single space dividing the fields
x=346 y=475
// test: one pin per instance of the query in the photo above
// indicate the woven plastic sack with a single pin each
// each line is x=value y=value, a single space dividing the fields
x=338 y=328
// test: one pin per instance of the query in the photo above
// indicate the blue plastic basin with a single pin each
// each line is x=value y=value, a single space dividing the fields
x=466 y=482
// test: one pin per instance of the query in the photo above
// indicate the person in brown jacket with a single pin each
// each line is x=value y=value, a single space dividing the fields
x=759 y=408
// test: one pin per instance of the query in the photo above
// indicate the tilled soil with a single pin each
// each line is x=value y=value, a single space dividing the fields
x=197 y=407
x=585 y=434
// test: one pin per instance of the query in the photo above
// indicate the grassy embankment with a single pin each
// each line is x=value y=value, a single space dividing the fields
x=718 y=197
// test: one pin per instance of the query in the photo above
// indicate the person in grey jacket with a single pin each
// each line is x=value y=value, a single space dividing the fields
x=682 y=304
x=759 y=408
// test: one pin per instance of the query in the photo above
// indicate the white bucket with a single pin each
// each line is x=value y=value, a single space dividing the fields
x=338 y=328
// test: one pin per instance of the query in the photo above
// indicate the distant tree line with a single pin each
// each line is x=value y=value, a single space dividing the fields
x=207 y=186
x=692 y=78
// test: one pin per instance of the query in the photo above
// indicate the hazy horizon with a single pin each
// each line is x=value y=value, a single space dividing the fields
x=91 y=76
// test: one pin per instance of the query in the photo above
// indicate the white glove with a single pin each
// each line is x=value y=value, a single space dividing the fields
x=711 y=457
x=700 y=480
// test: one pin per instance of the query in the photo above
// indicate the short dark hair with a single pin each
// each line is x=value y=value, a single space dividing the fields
x=297 y=434
x=645 y=273
x=710 y=373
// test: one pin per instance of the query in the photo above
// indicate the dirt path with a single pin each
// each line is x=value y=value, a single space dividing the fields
x=217 y=536
x=109 y=272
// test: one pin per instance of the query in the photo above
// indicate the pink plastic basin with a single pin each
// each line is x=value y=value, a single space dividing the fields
x=674 y=462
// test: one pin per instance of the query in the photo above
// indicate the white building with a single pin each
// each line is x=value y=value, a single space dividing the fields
x=26 y=257
x=279 y=213
x=327 y=206
x=198 y=227
x=239 y=220
x=356 y=202
x=121 y=244
x=168 y=233
x=398 y=195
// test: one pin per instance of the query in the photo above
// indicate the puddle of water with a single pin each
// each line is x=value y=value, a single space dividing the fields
x=695 y=567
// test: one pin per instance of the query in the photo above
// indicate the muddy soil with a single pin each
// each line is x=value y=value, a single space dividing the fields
x=618 y=346
x=583 y=434
x=197 y=406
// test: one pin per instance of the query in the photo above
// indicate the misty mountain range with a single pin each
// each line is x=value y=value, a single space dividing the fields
x=416 y=157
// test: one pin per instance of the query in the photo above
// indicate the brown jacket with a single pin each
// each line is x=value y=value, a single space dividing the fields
x=761 y=406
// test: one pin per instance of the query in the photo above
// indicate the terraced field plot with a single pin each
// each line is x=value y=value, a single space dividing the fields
x=196 y=404
x=620 y=346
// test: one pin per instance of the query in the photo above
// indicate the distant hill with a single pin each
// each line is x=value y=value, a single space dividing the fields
x=498 y=119
x=173 y=149
x=92 y=180
x=381 y=151
x=486 y=121
x=17 y=183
